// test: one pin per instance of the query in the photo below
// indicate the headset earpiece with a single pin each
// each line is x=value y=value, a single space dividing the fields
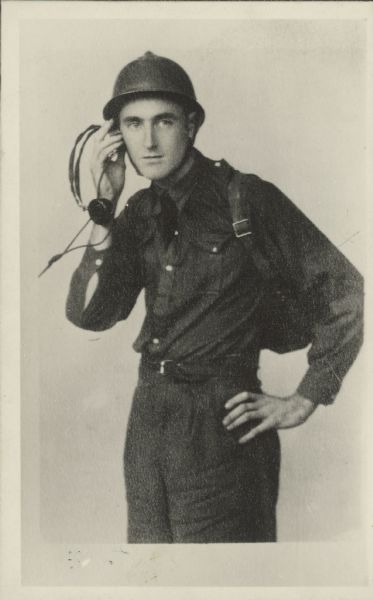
x=101 y=211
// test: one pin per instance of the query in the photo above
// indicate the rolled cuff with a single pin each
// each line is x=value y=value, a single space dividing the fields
x=321 y=387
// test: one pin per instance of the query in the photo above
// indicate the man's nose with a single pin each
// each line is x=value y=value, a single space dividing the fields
x=149 y=137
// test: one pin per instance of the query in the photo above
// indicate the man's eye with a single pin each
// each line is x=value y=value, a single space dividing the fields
x=133 y=125
x=165 y=123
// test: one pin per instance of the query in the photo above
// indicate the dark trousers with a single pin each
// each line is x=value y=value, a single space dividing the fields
x=188 y=480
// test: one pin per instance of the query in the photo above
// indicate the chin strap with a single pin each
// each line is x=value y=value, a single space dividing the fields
x=100 y=210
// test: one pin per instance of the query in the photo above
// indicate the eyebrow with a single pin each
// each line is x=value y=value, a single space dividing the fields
x=159 y=117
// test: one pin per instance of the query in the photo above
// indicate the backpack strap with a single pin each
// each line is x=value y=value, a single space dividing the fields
x=241 y=190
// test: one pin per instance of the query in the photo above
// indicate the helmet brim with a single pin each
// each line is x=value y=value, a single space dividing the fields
x=112 y=108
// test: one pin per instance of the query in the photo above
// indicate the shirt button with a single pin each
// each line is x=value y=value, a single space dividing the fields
x=169 y=268
x=215 y=249
x=155 y=341
x=176 y=233
x=98 y=262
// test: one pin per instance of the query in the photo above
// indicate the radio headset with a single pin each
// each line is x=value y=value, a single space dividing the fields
x=100 y=210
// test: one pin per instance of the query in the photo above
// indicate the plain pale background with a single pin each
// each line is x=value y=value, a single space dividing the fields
x=285 y=100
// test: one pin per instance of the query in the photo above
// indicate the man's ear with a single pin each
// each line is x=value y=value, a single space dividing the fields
x=191 y=125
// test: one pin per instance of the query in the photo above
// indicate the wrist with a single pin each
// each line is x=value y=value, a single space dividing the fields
x=102 y=184
x=301 y=399
x=305 y=404
x=100 y=238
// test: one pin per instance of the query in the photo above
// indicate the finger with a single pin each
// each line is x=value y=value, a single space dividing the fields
x=120 y=154
x=245 y=418
x=111 y=142
x=108 y=141
x=239 y=398
x=261 y=428
x=117 y=155
x=113 y=156
x=102 y=132
x=238 y=411
x=112 y=133
x=105 y=151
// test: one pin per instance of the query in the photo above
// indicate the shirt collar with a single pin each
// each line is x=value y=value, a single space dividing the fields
x=182 y=189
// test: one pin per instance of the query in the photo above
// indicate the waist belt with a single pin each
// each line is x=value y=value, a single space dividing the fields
x=245 y=366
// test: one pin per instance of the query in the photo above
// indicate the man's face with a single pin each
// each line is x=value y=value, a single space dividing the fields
x=157 y=134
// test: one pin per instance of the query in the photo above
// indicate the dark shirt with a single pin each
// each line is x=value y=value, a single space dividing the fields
x=203 y=293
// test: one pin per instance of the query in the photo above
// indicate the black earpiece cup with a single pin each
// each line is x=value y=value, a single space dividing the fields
x=101 y=211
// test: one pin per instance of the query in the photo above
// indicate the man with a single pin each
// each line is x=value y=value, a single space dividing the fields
x=202 y=451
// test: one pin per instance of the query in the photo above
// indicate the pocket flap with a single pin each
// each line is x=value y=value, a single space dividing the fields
x=212 y=243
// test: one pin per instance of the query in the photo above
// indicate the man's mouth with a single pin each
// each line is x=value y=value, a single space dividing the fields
x=155 y=157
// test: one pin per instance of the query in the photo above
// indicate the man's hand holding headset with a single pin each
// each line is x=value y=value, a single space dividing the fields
x=107 y=161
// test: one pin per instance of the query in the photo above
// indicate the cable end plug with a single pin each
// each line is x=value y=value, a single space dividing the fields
x=52 y=260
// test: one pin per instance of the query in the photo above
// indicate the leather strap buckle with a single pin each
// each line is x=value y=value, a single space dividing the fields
x=241 y=228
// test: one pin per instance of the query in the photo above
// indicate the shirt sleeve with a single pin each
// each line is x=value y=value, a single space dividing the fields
x=119 y=280
x=331 y=285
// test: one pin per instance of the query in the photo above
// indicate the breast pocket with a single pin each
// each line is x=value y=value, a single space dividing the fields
x=202 y=268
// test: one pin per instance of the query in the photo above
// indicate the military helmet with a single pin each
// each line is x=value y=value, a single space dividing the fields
x=152 y=74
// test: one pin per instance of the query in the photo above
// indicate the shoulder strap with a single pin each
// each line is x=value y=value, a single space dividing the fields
x=239 y=205
x=240 y=194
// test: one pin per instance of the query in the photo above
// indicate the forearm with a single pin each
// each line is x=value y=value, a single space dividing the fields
x=86 y=293
x=338 y=336
x=100 y=238
x=105 y=285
